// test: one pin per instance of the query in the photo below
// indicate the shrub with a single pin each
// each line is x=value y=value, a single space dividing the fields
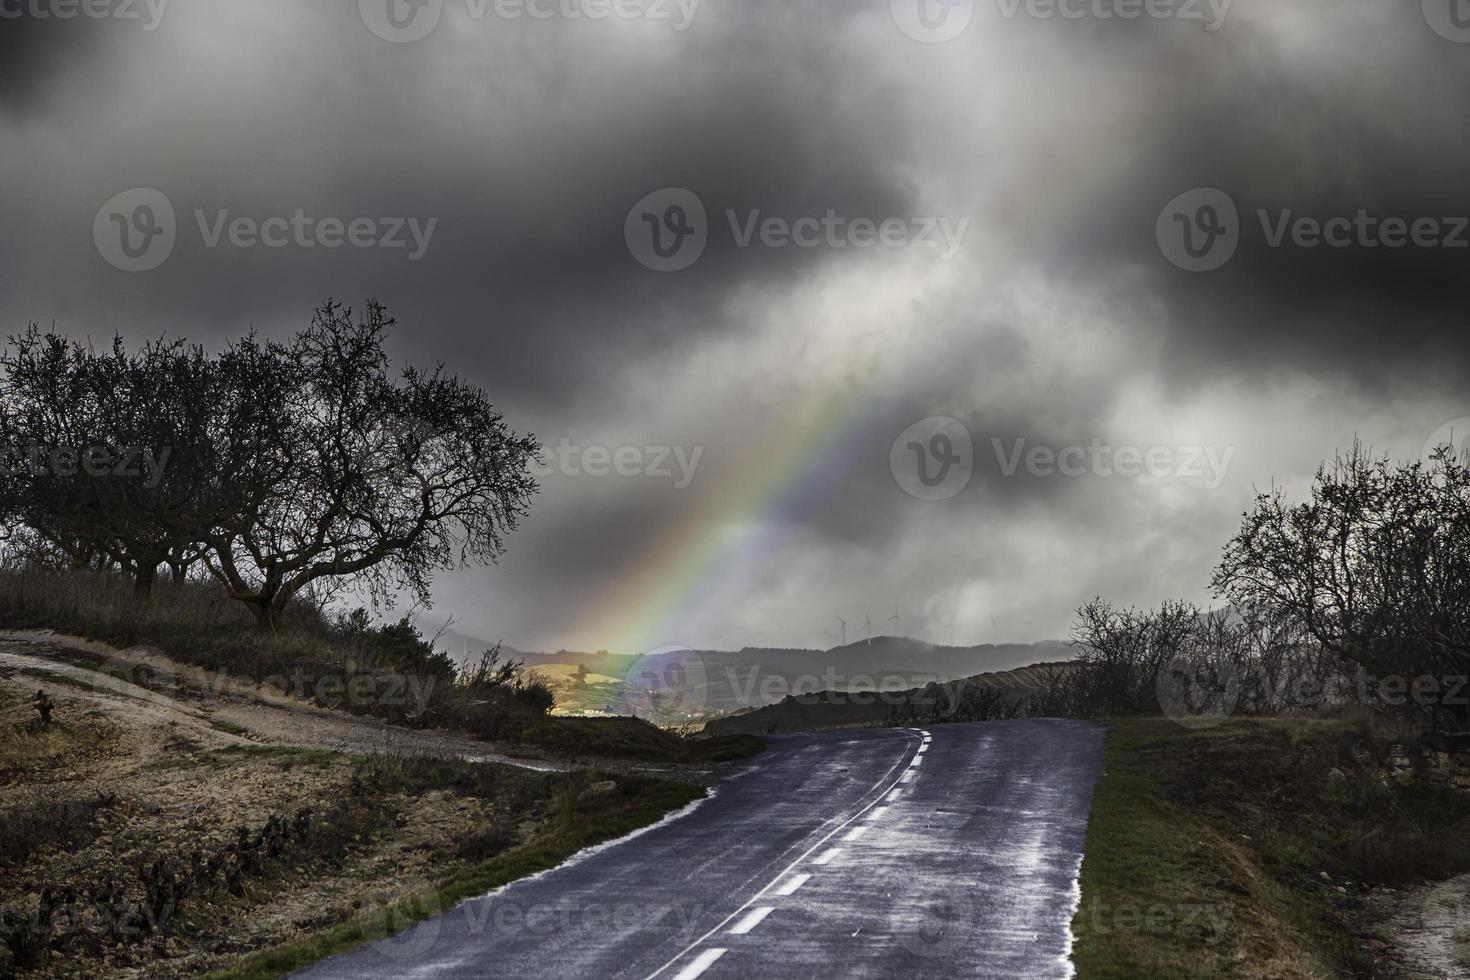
x=46 y=821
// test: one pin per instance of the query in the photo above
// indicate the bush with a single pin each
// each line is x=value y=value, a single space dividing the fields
x=45 y=822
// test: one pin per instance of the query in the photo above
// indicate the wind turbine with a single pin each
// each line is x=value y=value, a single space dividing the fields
x=844 y=630
x=868 y=625
x=897 y=622
x=950 y=627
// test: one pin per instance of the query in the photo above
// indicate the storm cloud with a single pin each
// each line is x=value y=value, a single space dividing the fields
x=1040 y=150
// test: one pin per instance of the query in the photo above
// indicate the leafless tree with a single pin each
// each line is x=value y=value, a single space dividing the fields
x=1374 y=567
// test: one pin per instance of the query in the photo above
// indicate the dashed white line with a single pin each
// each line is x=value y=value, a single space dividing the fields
x=792 y=884
x=877 y=811
x=922 y=749
x=752 y=919
x=827 y=855
x=893 y=796
x=855 y=833
x=907 y=777
x=700 y=963
x=751 y=901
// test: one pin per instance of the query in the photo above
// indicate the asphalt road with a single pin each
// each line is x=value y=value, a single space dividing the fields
x=946 y=852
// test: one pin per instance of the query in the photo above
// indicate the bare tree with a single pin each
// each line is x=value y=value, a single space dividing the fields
x=101 y=448
x=382 y=480
x=1374 y=567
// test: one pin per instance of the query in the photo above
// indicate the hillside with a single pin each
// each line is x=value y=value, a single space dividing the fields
x=190 y=819
x=678 y=687
x=841 y=709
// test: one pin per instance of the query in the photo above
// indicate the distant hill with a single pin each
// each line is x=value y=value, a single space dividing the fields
x=465 y=648
x=837 y=709
x=678 y=686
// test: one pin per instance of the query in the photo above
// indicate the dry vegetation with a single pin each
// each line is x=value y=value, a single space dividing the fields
x=135 y=844
x=1267 y=848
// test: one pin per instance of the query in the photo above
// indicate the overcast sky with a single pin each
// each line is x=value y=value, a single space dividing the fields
x=1036 y=288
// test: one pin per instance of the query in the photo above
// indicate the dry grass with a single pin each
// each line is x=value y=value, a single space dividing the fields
x=1274 y=826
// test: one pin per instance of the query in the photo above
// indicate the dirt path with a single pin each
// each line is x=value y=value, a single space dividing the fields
x=150 y=761
x=143 y=686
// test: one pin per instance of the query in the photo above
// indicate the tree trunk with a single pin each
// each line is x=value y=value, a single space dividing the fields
x=264 y=618
x=143 y=579
x=269 y=606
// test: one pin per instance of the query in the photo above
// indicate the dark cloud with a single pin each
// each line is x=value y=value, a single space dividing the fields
x=35 y=53
x=1302 y=131
x=793 y=370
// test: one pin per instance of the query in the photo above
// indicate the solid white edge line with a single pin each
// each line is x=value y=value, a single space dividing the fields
x=752 y=919
x=752 y=900
x=1074 y=901
x=436 y=968
x=701 y=963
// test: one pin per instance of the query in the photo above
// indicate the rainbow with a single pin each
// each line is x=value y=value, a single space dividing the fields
x=785 y=471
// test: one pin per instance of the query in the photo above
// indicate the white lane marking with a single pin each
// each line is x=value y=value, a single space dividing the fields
x=918 y=761
x=893 y=796
x=922 y=750
x=877 y=812
x=792 y=884
x=784 y=871
x=701 y=963
x=828 y=855
x=751 y=920
x=907 y=777
x=855 y=833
